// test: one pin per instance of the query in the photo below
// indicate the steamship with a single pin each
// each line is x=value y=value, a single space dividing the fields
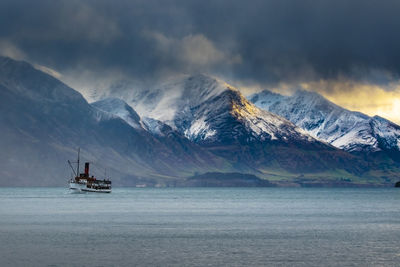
x=83 y=182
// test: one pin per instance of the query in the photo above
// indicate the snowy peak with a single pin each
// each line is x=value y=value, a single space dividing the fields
x=262 y=123
x=200 y=88
x=348 y=130
x=121 y=109
x=163 y=101
x=386 y=132
x=230 y=117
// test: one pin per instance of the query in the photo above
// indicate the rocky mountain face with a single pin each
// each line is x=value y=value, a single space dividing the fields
x=322 y=119
x=207 y=110
x=183 y=128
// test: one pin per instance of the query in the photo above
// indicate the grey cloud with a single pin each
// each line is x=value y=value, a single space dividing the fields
x=191 y=53
x=256 y=41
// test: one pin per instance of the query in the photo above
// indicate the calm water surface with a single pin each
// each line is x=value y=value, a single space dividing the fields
x=200 y=227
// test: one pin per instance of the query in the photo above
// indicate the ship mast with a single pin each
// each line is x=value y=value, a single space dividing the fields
x=77 y=168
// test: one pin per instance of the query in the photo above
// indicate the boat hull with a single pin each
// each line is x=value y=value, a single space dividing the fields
x=78 y=187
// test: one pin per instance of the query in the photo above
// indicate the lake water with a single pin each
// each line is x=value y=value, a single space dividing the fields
x=200 y=227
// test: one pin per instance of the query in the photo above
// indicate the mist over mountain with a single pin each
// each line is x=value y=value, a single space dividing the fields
x=184 y=128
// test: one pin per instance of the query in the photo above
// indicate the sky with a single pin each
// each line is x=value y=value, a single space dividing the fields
x=349 y=51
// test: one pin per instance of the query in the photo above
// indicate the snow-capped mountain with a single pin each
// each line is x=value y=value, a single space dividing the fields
x=345 y=129
x=208 y=110
x=215 y=115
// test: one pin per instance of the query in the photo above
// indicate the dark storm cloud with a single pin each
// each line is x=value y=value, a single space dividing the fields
x=260 y=41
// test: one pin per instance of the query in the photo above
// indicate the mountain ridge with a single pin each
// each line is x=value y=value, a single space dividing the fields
x=43 y=122
x=348 y=130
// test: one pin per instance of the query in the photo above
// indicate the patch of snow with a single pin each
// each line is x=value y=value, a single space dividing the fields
x=199 y=129
x=153 y=126
x=117 y=107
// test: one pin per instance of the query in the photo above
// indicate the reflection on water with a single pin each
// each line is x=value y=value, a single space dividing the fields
x=200 y=226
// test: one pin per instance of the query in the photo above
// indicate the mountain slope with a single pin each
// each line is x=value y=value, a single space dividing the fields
x=184 y=151
x=43 y=121
x=120 y=109
x=347 y=130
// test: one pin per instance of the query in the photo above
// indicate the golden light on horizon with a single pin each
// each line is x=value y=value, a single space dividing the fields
x=369 y=99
